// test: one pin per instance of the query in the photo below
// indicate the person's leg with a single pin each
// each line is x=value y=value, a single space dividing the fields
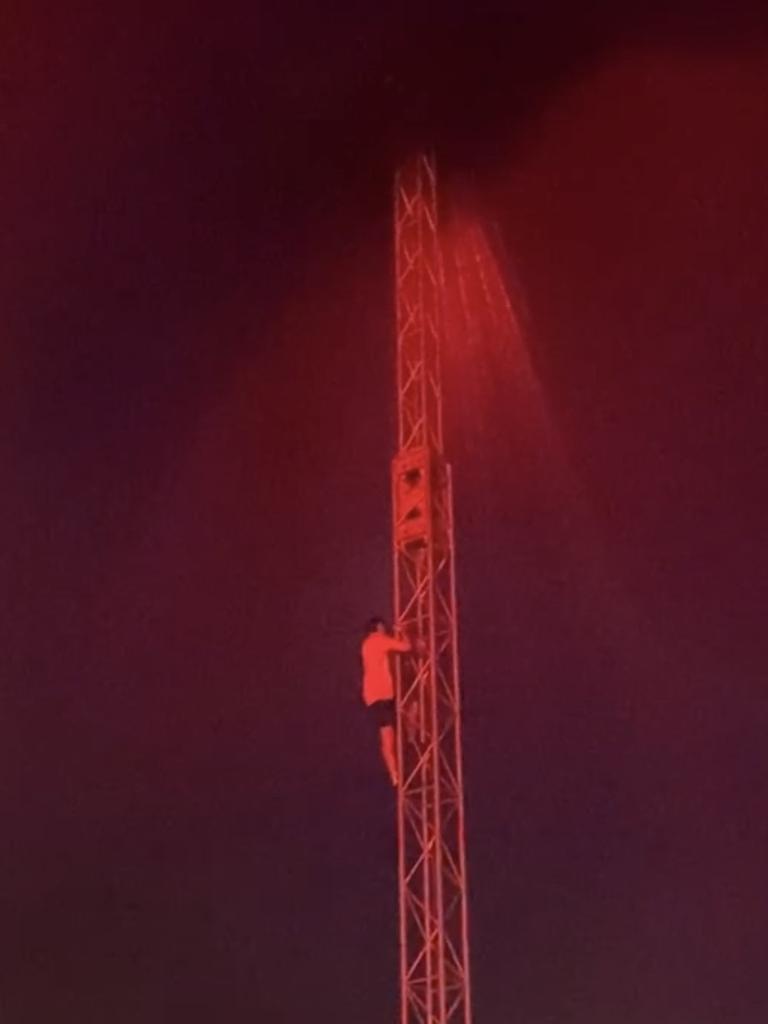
x=388 y=752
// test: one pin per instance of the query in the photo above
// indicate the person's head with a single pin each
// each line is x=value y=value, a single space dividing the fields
x=375 y=625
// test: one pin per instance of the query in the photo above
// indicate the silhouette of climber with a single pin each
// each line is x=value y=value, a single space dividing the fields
x=379 y=687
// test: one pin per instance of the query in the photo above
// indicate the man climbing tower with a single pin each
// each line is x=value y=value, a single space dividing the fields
x=379 y=687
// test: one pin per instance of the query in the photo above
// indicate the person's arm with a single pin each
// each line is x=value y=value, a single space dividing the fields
x=401 y=646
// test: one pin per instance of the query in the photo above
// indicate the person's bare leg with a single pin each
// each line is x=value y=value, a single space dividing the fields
x=387 y=738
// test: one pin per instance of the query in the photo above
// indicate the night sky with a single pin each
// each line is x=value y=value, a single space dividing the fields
x=196 y=423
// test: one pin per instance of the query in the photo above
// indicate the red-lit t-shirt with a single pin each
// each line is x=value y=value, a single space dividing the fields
x=378 y=683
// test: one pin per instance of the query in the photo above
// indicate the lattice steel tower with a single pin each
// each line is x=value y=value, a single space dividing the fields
x=434 y=954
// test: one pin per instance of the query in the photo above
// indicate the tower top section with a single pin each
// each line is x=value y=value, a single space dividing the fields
x=418 y=290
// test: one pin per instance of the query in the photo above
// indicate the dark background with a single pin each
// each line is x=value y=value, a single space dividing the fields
x=197 y=421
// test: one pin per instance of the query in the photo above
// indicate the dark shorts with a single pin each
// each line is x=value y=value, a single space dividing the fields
x=381 y=713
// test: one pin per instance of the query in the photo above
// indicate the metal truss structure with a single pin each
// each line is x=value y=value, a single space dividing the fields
x=434 y=951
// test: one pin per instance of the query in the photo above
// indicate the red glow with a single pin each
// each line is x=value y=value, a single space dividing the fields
x=486 y=359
